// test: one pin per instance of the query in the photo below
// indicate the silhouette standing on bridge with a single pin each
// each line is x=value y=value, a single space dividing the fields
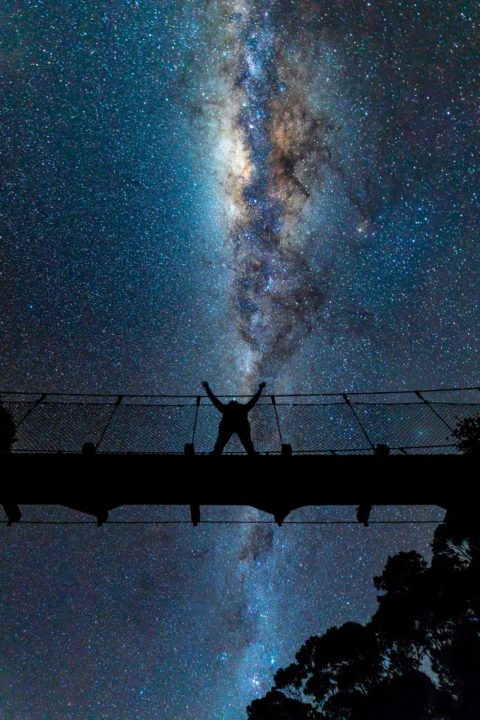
x=234 y=420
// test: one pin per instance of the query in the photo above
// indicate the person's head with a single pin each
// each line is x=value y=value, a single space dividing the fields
x=233 y=404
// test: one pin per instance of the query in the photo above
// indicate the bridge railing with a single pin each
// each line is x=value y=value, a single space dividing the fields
x=408 y=421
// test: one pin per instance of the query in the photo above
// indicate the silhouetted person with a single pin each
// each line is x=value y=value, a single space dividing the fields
x=234 y=420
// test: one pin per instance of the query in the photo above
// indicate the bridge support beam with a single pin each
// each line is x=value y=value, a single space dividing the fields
x=96 y=484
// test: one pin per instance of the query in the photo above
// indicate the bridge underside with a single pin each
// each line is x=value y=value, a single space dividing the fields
x=275 y=484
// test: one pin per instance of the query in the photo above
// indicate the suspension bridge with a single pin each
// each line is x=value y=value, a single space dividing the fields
x=96 y=452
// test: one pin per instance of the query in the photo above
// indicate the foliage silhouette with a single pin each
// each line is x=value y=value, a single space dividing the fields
x=467 y=433
x=7 y=429
x=417 y=658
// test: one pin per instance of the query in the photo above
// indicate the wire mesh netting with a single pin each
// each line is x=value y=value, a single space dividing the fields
x=344 y=424
x=320 y=428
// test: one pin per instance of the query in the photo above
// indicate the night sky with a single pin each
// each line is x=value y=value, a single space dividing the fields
x=145 y=622
x=234 y=191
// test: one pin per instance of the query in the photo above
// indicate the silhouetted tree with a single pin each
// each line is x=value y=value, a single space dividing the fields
x=276 y=706
x=7 y=429
x=467 y=432
x=417 y=658
x=456 y=654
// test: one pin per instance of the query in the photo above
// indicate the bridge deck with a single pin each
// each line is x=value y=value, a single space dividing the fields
x=276 y=484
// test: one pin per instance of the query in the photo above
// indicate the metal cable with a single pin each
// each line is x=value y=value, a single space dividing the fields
x=63 y=423
x=222 y=522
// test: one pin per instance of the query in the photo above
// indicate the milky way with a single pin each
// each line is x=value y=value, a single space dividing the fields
x=325 y=168
x=280 y=144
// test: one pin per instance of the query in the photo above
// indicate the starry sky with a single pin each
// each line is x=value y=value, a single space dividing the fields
x=230 y=189
x=234 y=191
x=144 y=622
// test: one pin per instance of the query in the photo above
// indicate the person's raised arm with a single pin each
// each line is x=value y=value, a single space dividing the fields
x=253 y=401
x=213 y=397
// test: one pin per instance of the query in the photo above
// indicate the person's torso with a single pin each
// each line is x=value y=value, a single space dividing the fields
x=235 y=415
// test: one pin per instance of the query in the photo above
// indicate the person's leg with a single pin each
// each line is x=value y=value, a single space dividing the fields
x=246 y=440
x=222 y=439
